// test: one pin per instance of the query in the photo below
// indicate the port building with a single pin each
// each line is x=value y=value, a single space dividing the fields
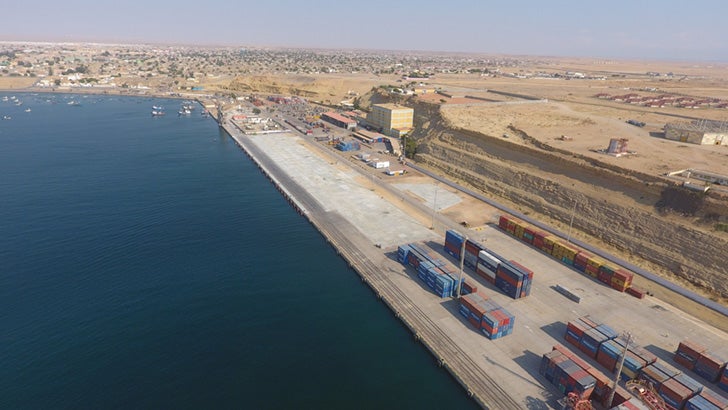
x=339 y=120
x=391 y=119
x=700 y=132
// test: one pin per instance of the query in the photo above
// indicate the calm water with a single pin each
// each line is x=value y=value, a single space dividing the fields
x=146 y=263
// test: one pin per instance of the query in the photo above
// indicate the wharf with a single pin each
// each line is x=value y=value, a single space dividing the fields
x=354 y=210
x=350 y=244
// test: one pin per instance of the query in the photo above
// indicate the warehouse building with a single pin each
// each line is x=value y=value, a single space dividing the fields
x=701 y=132
x=339 y=120
x=391 y=119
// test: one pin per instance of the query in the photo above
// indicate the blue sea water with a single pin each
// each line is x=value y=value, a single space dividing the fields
x=147 y=263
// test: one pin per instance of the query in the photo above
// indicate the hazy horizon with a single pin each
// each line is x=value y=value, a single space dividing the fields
x=645 y=30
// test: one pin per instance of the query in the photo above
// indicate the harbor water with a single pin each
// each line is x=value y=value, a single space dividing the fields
x=145 y=262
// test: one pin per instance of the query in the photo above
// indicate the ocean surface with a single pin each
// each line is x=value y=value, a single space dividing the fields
x=147 y=263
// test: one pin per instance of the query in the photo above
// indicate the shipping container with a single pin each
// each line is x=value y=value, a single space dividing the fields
x=693 y=385
x=636 y=292
x=700 y=403
x=723 y=381
x=487 y=266
x=653 y=375
x=674 y=393
x=715 y=399
x=709 y=366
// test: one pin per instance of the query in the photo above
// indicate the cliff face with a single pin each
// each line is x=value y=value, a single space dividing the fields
x=647 y=220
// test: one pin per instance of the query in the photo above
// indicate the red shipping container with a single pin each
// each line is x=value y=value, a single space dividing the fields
x=710 y=361
x=589 y=321
x=638 y=293
x=605 y=277
x=620 y=396
x=690 y=349
x=503 y=222
x=469 y=288
x=582 y=257
x=618 y=286
x=577 y=327
x=623 y=275
x=592 y=271
x=473 y=321
x=690 y=365
x=643 y=354
x=675 y=391
x=605 y=360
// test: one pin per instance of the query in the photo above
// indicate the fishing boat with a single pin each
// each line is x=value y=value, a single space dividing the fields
x=27 y=109
x=157 y=108
x=157 y=113
x=184 y=111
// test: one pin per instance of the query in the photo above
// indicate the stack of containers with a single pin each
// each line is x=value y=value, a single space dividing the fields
x=674 y=393
x=603 y=386
x=564 y=252
x=538 y=239
x=439 y=277
x=709 y=366
x=453 y=243
x=609 y=354
x=592 y=266
x=487 y=265
x=689 y=382
x=487 y=316
x=497 y=323
x=528 y=278
x=591 y=334
x=566 y=374
x=723 y=382
x=529 y=234
x=707 y=400
x=657 y=373
x=548 y=243
x=687 y=354
x=513 y=279
x=621 y=280
x=581 y=259
x=472 y=249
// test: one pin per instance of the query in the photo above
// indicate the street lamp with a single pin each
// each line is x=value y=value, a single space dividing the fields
x=434 y=208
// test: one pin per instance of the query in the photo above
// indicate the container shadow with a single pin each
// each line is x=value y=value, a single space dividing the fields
x=453 y=307
x=662 y=354
x=530 y=362
x=555 y=330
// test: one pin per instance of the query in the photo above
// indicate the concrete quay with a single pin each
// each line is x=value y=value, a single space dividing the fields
x=502 y=374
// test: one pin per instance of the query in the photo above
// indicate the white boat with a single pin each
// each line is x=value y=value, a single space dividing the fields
x=7 y=117
x=74 y=103
x=5 y=98
x=157 y=108
x=156 y=113
x=27 y=109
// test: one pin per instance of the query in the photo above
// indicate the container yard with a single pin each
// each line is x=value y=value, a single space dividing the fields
x=501 y=367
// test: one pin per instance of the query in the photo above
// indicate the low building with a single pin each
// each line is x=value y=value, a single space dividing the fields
x=339 y=120
x=699 y=132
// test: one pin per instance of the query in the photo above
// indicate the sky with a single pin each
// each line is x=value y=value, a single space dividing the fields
x=634 y=29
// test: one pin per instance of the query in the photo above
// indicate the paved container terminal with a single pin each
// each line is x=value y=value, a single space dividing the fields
x=501 y=374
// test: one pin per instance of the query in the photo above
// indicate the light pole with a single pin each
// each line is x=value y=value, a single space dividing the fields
x=462 y=261
x=571 y=223
x=434 y=208
x=619 y=370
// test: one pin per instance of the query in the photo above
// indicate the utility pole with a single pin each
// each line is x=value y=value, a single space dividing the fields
x=462 y=261
x=619 y=370
x=571 y=223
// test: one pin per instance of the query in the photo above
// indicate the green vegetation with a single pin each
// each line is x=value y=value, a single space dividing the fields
x=721 y=226
x=410 y=148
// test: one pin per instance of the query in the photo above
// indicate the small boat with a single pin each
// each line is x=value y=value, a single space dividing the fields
x=157 y=113
x=184 y=111
x=157 y=108
x=27 y=109
x=7 y=117
x=74 y=103
x=5 y=98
